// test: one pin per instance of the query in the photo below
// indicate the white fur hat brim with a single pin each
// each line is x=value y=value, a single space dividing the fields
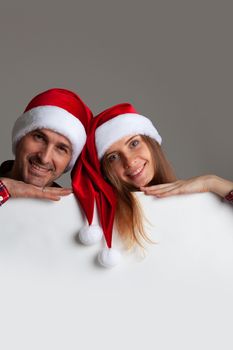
x=123 y=125
x=56 y=119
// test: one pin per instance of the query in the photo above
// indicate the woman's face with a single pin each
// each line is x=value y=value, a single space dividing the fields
x=131 y=161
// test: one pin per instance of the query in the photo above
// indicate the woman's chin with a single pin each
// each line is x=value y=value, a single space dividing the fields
x=142 y=180
x=138 y=184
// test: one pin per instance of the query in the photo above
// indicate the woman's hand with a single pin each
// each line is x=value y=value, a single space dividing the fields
x=19 y=189
x=199 y=184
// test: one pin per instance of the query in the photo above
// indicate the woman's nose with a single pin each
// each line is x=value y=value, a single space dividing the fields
x=129 y=160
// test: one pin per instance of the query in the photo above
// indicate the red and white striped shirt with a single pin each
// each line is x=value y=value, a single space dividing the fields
x=4 y=194
x=229 y=196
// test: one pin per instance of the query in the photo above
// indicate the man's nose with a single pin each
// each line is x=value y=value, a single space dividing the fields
x=46 y=155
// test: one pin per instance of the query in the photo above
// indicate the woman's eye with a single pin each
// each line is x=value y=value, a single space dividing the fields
x=134 y=143
x=113 y=157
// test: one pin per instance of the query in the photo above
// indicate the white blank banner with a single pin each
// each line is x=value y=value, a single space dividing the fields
x=54 y=295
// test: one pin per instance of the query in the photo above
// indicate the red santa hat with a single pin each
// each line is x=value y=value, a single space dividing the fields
x=59 y=110
x=88 y=182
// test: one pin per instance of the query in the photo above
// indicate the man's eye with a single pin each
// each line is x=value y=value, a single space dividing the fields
x=38 y=137
x=62 y=149
x=113 y=157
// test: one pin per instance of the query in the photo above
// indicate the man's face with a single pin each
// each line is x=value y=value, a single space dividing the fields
x=41 y=157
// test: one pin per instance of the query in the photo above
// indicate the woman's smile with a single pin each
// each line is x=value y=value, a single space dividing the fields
x=135 y=172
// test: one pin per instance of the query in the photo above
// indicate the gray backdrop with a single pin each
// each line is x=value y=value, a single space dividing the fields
x=171 y=59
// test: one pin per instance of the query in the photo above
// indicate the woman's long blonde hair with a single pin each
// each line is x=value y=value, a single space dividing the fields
x=129 y=216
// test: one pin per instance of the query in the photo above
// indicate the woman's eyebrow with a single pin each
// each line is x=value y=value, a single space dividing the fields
x=108 y=154
x=130 y=139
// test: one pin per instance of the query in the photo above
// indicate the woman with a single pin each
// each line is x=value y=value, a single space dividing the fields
x=123 y=155
x=129 y=163
x=107 y=175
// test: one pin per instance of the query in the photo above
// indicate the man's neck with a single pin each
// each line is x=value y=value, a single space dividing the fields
x=6 y=169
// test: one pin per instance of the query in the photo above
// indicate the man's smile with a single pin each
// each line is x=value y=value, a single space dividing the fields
x=38 y=168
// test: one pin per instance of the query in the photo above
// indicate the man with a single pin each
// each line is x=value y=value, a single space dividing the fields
x=46 y=140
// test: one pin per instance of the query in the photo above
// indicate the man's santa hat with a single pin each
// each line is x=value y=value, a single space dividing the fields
x=88 y=182
x=59 y=110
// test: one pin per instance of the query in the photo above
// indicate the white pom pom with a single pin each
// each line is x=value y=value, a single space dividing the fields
x=109 y=257
x=89 y=235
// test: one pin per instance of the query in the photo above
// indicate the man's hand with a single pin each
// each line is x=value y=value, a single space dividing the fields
x=19 y=189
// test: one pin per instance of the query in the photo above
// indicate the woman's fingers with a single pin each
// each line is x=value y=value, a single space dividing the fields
x=158 y=189
x=194 y=185
x=170 y=191
x=159 y=192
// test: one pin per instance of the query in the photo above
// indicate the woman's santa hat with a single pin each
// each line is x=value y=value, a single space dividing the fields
x=59 y=110
x=88 y=182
